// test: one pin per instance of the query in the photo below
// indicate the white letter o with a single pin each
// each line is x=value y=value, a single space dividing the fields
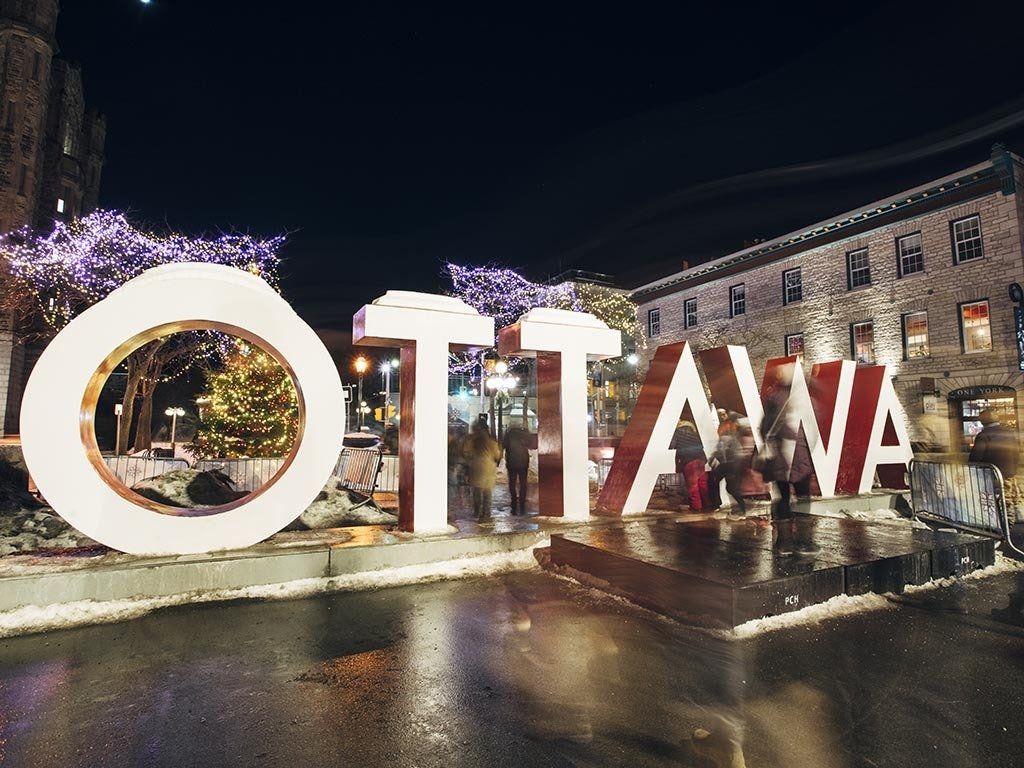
x=57 y=431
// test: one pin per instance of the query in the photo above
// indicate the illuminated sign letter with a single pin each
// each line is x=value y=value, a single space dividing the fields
x=876 y=434
x=563 y=341
x=59 y=440
x=643 y=452
x=425 y=327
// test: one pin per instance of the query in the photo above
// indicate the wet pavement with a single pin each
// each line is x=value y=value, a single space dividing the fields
x=525 y=669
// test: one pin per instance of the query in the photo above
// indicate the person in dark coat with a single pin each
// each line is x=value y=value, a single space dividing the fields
x=691 y=464
x=996 y=444
x=517 y=462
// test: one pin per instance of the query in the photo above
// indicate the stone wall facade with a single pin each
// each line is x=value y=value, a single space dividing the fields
x=829 y=307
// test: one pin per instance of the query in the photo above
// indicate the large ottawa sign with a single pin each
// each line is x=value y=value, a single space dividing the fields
x=853 y=422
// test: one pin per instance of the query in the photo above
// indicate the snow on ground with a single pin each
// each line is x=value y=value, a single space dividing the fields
x=883 y=515
x=34 y=618
x=846 y=605
x=29 y=530
x=336 y=507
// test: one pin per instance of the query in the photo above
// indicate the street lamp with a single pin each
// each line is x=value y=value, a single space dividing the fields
x=174 y=412
x=361 y=365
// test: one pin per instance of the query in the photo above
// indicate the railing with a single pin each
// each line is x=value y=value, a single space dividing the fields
x=133 y=469
x=388 y=480
x=360 y=469
x=245 y=474
x=965 y=496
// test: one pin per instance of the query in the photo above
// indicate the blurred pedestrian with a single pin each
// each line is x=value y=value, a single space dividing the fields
x=691 y=463
x=517 y=463
x=996 y=444
x=731 y=459
x=483 y=454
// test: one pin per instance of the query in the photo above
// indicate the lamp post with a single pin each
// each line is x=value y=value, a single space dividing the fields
x=361 y=365
x=174 y=412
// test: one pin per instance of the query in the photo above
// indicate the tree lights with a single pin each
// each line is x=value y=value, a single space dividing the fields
x=252 y=409
x=54 y=276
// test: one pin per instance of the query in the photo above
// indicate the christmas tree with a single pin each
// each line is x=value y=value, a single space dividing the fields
x=252 y=409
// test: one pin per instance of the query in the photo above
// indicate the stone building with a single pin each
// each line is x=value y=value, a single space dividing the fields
x=920 y=282
x=51 y=153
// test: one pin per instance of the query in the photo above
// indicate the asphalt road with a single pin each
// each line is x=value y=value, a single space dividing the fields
x=520 y=670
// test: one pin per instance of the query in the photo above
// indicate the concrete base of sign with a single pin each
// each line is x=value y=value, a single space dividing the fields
x=367 y=549
x=720 y=573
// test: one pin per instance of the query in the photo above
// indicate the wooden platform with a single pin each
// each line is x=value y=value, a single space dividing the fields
x=720 y=573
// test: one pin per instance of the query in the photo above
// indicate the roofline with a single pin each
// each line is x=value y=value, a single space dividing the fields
x=804 y=238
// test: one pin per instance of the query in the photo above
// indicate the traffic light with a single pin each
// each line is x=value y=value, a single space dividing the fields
x=377 y=413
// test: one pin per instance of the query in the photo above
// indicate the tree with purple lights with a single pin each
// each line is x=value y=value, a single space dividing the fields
x=506 y=295
x=52 y=276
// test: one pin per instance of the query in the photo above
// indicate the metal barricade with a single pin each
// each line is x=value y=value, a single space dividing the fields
x=358 y=468
x=965 y=496
x=244 y=474
x=388 y=480
x=134 y=469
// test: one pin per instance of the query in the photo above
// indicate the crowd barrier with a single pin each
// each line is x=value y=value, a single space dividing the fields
x=968 y=496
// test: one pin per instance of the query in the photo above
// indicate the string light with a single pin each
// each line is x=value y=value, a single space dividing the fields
x=506 y=295
x=81 y=261
x=252 y=409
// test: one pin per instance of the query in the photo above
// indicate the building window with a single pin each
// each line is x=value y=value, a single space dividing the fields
x=915 y=335
x=858 y=270
x=975 y=329
x=36 y=66
x=60 y=205
x=653 y=322
x=792 y=286
x=862 y=339
x=738 y=300
x=795 y=345
x=689 y=313
x=910 y=255
x=69 y=141
x=11 y=108
x=966 y=239
x=22 y=179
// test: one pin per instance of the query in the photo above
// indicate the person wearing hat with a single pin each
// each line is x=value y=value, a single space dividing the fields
x=996 y=444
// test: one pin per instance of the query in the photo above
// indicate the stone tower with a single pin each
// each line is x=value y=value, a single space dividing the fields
x=27 y=45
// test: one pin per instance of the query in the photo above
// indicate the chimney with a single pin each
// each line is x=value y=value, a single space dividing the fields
x=686 y=265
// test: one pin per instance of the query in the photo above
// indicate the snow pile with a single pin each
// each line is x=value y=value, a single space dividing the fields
x=189 y=488
x=834 y=608
x=28 y=530
x=885 y=515
x=846 y=605
x=34 y=618
x=337 y=507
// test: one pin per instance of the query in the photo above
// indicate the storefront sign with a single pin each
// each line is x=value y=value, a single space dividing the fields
x=981 y=391
x=854 y=424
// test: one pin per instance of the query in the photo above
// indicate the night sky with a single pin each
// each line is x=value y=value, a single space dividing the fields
x=389 y=137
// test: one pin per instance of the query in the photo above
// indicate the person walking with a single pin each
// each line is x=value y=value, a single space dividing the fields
x=516 y=444
x=483 y=454
x=731 y=460
x=996 y=444
x=691 y=463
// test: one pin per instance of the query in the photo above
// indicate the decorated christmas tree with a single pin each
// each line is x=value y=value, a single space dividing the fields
x=251 y=408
